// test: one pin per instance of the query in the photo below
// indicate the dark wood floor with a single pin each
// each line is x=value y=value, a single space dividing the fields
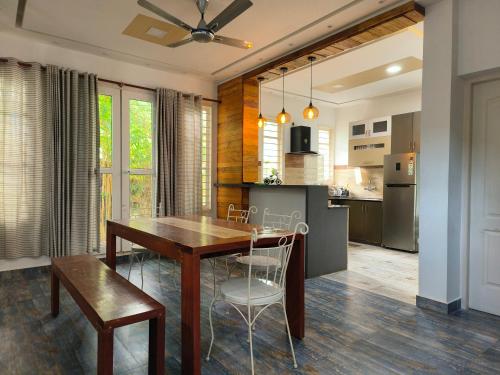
x=348 y=331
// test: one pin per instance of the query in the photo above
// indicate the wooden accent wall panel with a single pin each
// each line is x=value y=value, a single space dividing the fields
x=237 y=142
x=250 y=131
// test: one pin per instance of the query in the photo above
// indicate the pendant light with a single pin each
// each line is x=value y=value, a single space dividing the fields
x=260 y=120
x=283 y=117
x=311 y=112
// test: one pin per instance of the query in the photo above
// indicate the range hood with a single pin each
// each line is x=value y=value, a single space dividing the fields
x=300 y=141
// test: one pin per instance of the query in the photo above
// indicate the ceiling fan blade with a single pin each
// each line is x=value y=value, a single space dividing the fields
x=160 y=12
x=230 y=13
x=180 y=43
x=233 y=42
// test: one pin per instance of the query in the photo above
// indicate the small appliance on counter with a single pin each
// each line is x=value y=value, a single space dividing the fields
x=338 y=192
x=400 y=207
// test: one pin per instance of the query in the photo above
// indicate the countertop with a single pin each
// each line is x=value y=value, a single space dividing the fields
x=247 y=185
x=338 y=206
x=356 y=199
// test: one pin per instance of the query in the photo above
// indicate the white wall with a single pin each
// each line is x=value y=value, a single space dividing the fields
x=366 y=109
x=461 y=38
x=478 y=33
x=27 y=49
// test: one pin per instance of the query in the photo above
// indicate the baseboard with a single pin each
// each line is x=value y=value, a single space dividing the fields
x=440 y=307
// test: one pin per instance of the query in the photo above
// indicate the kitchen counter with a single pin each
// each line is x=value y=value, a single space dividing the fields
x=326 y=243
x=356 y=199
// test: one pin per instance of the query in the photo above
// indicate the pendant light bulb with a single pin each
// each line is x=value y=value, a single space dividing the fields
x=283 y=117
x=260 y=120
x=311 y=112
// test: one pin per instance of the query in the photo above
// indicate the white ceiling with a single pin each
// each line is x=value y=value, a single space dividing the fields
x=385 y=51
x=275 y=26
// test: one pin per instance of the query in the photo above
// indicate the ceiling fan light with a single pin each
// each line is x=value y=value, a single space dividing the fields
x=311 y=112
x=261 y=120
x=283 y=117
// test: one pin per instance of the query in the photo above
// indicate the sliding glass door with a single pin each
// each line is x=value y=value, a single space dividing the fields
x=127 y=148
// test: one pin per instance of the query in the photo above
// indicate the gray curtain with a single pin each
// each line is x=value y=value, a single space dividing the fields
x=178 y=183
x=49 y=145
x=25 y=161
x=72 y=104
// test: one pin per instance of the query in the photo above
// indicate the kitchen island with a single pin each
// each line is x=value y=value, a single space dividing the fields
x=326 y=243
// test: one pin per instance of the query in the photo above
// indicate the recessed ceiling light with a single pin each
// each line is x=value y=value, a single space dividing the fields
x=157 y=33
x=338 y=86
x=393 y=69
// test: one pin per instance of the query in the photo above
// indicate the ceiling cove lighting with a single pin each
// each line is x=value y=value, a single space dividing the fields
x=311 y=112
x=283 y=117
x=393 y=69
x=260 y=120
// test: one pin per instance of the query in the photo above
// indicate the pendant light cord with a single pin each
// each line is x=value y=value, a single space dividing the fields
x=311 y=91
x=283 y=90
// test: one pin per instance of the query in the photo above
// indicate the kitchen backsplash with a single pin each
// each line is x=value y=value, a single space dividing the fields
x=357 y=180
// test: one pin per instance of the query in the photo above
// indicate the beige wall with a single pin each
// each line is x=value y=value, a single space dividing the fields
x=346 y=177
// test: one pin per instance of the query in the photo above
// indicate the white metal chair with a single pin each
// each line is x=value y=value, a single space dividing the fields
x=140 y=253
x=239 y=216
x=253 y=293
x=270 y=221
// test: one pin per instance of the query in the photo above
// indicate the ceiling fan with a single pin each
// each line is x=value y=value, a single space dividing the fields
x=205 y=33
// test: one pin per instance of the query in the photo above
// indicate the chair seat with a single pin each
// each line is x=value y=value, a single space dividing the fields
x=262 y=292
x=261 y=261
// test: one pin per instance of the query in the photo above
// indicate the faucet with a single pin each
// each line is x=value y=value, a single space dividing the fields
x=371 y=186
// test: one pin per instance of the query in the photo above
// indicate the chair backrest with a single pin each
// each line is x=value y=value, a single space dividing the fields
x=281 y=252
x=277 y=221
x=240 y=216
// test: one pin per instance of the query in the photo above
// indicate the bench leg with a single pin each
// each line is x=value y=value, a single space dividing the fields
x=157 y=346
x=54 y=294
x=105 y=352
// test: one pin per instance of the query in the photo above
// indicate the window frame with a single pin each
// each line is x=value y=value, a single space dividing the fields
x=330 y=161
x=280 y=153
x=207 y=186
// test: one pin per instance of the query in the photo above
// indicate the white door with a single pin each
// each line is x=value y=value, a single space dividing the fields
x=126 y=155
x=484 y=266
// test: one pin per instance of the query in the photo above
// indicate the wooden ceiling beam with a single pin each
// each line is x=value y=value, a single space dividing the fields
x=381 y=25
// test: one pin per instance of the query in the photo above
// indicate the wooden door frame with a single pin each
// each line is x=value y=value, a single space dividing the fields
x=469 y=83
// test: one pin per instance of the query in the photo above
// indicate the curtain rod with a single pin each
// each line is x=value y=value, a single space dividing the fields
x=28 y=65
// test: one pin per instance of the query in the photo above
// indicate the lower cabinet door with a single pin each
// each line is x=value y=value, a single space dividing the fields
x=356 y=220
x=373 y=222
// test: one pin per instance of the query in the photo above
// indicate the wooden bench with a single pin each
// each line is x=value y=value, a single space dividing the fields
x=109 y=301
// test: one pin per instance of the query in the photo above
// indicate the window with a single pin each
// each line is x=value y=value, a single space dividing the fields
x=271 y=148
x=324 y=149
x=206 y=153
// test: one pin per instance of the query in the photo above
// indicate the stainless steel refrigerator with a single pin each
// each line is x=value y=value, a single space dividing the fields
x=400 y=204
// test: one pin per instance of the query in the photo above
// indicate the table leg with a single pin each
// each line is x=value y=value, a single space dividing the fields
x=190 y=311
x=295 y=299
x=157 y=345
x=105 y=352
x=110 y=248
x=54 y=294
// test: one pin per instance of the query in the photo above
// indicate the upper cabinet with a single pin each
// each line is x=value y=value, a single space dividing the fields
x=369 y=141
x=379 y=127
x=406 y=133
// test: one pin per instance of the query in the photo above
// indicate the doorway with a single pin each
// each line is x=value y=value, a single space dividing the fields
x=484 y=255
x=127 y=146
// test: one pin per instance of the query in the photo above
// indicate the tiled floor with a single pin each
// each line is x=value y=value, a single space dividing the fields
x=390 y=273
x=348 y=331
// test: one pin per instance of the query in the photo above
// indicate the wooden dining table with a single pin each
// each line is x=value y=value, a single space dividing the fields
x=189 y=239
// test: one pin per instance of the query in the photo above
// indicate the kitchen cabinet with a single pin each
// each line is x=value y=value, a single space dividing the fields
x=377 y=127
x=405 y=133
x=366 y=152
x=365 y=220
